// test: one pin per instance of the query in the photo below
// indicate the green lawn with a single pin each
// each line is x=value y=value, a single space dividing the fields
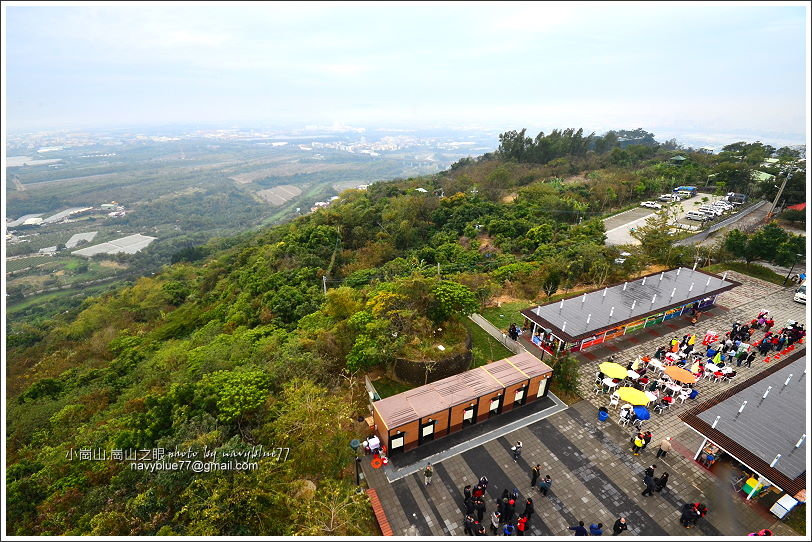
x=507 y=314
x=485 y=347
x=751 y=269
x=387 y=387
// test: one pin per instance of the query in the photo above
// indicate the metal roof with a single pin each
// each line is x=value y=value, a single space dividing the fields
x=766 y=426
x=583 y=316
x=454 y=390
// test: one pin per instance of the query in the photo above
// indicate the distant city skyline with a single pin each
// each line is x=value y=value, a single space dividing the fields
x=696 y=72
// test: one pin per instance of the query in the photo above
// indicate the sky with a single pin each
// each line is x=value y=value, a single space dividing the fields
x=682 y=67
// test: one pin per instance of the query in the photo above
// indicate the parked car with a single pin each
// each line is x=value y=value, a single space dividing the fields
x=669 y=197
x=710 y=210
x=696 y=215
x=723 y=204
x=651 y=205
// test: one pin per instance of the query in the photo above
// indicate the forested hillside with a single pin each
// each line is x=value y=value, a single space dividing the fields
x=242 y=348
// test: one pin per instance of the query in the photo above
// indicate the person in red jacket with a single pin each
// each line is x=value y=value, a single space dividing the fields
x=521 y=525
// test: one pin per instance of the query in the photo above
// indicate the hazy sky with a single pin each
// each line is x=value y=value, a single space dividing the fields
x=691 y=67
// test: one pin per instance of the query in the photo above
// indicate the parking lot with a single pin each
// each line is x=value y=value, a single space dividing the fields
x=620 y=226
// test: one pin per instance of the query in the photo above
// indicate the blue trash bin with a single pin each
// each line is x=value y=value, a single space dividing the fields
x=603 y=414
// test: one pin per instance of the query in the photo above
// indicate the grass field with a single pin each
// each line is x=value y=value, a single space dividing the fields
x=387 y=387
x=750 y=269
x=485 y=348
x=507 y=314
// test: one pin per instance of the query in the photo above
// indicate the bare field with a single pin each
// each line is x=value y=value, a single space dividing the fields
x=278 y=195
x=284 y=170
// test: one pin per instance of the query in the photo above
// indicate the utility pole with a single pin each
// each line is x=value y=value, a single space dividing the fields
x=789 y=172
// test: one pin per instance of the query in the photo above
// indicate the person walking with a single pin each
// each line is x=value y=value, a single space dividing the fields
x=701 y=510
x=545 y=485
x=649 y=481
x=619 y=526
x=495 y=520
x=750 y=358
x=596 y=529
x=579 y=529
x=427 y=474
x=661 y=482
x=664 y=448
x=688 y=514
x=517 y=450
x=535 y=472
x=650 y=470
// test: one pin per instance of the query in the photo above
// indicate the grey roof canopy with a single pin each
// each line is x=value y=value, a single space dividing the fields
x=766 y=426
x=602 y=309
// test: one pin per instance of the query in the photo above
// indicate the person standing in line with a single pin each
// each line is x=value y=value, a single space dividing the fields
x=509 y=511
x=529 y=508
x=596 y=530
x=535 y=472
x=646 y=439
x=470 y=507
x=637 y=444
x=517 y=451
x=545 y=485
x=466 y=493
x=479 y=529
x=521 y=525
x=579 y=529
x=468 y=524
x=649 y=481
x=619 y=526
x=495 y=519
x=662 y=481
x=508 y=529
x=428 y=473
x=665 y=447
x=479 y=504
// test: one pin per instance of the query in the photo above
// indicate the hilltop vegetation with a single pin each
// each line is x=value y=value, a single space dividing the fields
x=240 y=346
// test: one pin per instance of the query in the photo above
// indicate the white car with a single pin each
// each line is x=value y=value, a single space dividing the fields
x=669 y=197
x=712 y=211
x=723 y=204
x=651 y=205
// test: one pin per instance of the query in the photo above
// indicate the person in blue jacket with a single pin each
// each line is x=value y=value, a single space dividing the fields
x=596 y=530
x=579 y=529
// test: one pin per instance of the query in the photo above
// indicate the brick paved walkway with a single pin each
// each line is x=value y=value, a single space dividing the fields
x=595 y=478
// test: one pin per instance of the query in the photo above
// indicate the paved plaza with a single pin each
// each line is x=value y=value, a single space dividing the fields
x=595 y=477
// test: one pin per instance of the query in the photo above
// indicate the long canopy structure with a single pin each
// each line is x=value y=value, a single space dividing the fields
x=761 y=423
x=593 y=317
